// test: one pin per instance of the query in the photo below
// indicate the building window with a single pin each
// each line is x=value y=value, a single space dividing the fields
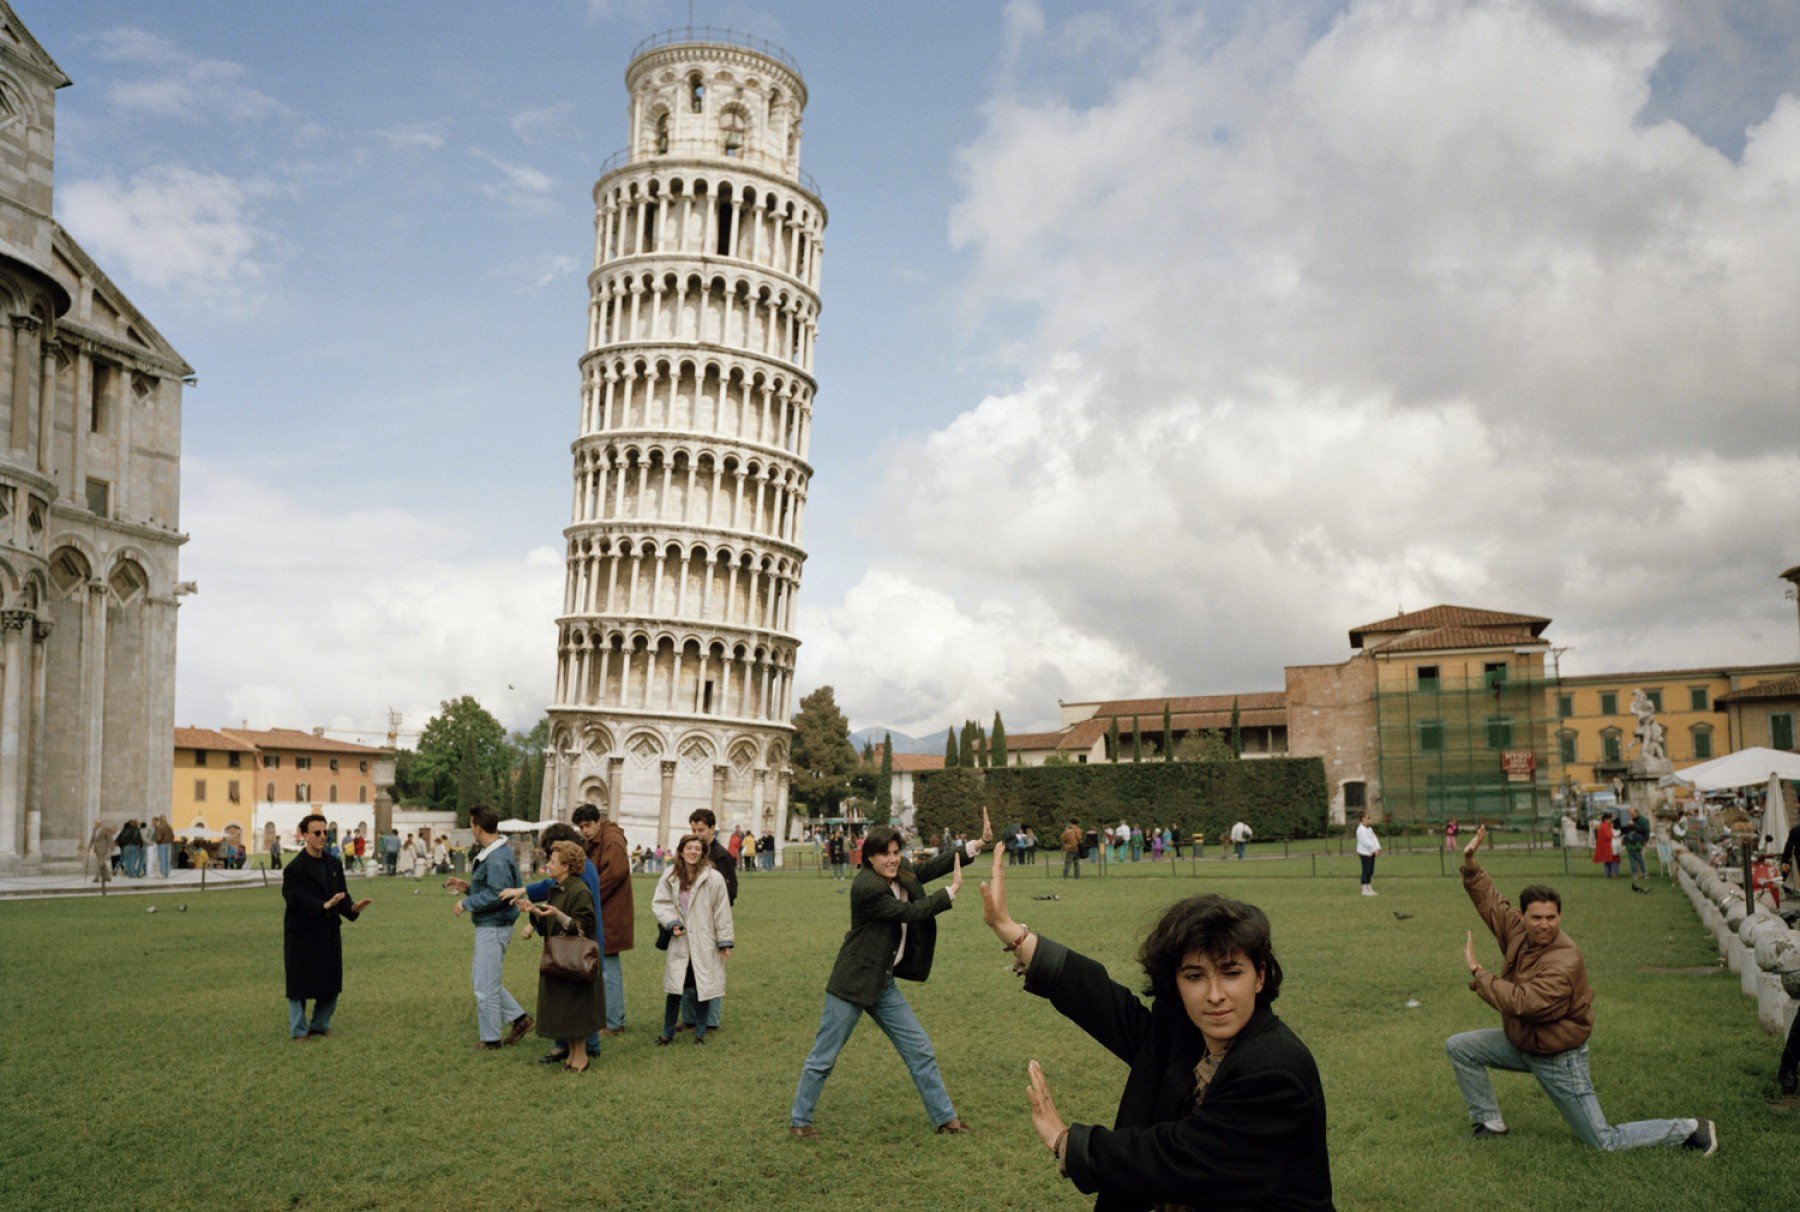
x=1697 y=699
x=334 y=762
x=1428 y=679
x=1609 y=745
x=1355 y=795
x=1609 y=702
x=231 y=791
x=303 y=792
x=331 y=794
x=1493 y=674
x=1565 y=706
x=302 y=763
x=1702 y=741
x=363 y=766
x=1499 y=732
x=362 y=795
x=99 y=497
x=199 y=757
x=200 y=791
x=1431 y=736
x=100 y=396
x=1565 y=747
x=271 y=761
x=696 y=93
x=232 y=760
x=1781 y=730
x=269 y=793
x=1655 y=697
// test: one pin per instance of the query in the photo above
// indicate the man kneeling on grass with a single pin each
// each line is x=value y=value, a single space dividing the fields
x=1547 y=1013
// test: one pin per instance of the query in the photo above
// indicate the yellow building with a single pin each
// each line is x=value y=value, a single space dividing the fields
x=1595 y=727
x=1764 y=713
x=214 y=783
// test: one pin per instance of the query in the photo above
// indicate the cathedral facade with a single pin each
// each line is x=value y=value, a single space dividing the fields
x=675 y=651
x=90 y=403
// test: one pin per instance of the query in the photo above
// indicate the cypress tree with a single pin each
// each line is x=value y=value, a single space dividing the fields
x=869 y=749
x=950 y=755
x=1168 y=735
x=997 y=743
x=966 y=746
x=1137 y=741
x=884 y=790
x=1112 y=741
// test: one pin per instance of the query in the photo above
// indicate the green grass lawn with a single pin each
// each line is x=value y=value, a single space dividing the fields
x=146 y=1059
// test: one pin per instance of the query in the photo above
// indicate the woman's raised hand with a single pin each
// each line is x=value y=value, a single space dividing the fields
x=993 y=901
x=955 y=874
x=1044 y=1118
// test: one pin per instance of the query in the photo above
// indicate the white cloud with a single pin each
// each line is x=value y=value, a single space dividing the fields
x=534 y=125
x=310 y=614
x=171 y=225
x=411 y=136
x=520 y=186
x=176 y=83
x=553 y=269
x=1408 y=309
x=904 y=653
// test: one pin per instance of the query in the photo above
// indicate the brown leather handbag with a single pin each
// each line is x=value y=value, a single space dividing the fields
x=570 y=957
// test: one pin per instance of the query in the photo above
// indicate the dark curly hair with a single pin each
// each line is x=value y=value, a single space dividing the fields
x=1217 y=927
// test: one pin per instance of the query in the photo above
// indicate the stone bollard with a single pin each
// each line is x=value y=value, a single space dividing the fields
x=1778 y=958
x=1756 y=927
x=1732 y=914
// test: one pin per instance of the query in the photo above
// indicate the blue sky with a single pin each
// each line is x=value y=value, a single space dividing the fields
x=1161 y=343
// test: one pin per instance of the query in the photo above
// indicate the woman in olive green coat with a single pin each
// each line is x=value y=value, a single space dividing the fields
x=567 y=1010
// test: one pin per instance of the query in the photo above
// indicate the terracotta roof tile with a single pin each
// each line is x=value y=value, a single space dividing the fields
x=1780 y=688
x=1461 y=637
x=1255 y=699
x=915 y=763
x=1033 y=740
x=207 y=738
x=294 y=738
x=1447 y=616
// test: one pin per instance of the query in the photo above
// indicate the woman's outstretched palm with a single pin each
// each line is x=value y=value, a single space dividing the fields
x=993 y=895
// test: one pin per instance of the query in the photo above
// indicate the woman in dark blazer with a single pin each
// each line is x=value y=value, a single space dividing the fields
x=1223 y=1106
x=567 y=1010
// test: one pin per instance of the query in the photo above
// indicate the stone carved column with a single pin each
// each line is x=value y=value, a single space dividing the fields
x=15 y=689
x=24 y=331
x=666 y=803
x=34 y=790
x=53 y=361
x=93 y=668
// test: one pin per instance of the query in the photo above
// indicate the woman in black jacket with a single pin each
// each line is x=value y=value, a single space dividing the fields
x=1223 y=1106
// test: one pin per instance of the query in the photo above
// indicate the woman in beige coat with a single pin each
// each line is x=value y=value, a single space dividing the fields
x=691 y=903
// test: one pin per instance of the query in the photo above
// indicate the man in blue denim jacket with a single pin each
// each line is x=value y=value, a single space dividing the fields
x=493 y=915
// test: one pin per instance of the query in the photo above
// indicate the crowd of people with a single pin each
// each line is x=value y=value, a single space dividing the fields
x=1219 y=1095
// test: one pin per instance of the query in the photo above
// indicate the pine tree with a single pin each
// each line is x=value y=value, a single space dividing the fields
x=967 y=746
x=1237 y=733
x=981 y=750
x=1137 y=741
x=1168 y=735
x=1112 y=741
x=869 y=750
x=951 y=758
x=884 y=790
x=997 y=742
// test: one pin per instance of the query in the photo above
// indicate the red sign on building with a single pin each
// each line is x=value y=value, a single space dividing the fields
x=1519 y=764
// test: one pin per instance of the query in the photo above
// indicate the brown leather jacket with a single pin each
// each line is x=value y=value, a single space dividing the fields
x=1545 y=1002
x=612 y=861
x=1071 y=839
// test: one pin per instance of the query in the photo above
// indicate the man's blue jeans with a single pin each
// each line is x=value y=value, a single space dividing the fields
x=1564 y=1077
x=712 y=1008
x=892 y=1015
x=494 y=1006
x=323 y=1009
x=614 y=976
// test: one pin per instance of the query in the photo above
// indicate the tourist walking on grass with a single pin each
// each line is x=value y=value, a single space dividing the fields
x=318 y=903
x=893 y=933
x=606 y=851
x=162 y=836
x=494 y=872
x=1449 y=835
x=1240 y=835
x=1635 y=835
x=693 y=905
x=99 y=849
x=1222 y=1106
x=1547 y=1014
x=131 y=849
x=568 y=1011
x=1367 y=847
x=1606 y=851
x=1071 y=848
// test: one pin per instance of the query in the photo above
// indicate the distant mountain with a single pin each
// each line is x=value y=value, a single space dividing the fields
x=933 y=743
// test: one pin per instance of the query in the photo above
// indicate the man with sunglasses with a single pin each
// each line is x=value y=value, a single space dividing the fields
x=312 y=932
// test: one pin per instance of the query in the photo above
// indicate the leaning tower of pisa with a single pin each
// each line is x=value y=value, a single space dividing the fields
x=675 y=646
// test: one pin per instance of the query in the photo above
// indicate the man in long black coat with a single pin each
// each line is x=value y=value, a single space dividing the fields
x=312 y=932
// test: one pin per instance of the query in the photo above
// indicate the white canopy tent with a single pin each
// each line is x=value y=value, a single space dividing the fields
x=515 y=825
x=1746 y=768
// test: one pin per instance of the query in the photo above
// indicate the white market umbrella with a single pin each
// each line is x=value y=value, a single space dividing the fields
x=515 y=825
x=1775 y=817
x=1746 y=768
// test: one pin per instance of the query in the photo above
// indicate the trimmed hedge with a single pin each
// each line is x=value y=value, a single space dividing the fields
x=1277 y=797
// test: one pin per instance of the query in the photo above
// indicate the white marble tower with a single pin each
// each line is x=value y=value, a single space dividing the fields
x=675 y=648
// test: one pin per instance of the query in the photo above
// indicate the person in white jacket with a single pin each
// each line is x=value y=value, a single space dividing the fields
x=692 y=904
x=1240 y=833
x=1367 y=847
